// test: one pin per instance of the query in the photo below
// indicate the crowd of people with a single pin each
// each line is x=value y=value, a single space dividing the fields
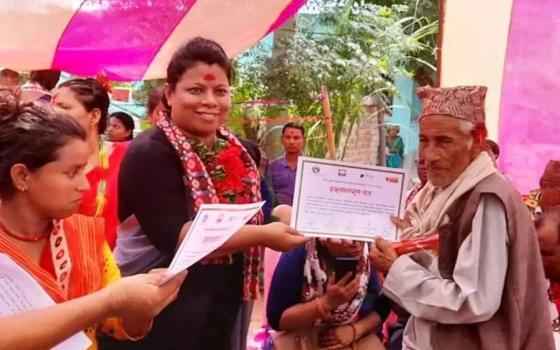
x=95 y=215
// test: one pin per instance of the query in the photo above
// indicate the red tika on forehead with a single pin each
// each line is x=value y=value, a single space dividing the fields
x=209 y=77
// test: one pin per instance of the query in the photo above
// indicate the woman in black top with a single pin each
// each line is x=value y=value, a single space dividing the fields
x=168 y=171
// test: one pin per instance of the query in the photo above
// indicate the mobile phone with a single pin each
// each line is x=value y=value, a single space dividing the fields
x=344 y=265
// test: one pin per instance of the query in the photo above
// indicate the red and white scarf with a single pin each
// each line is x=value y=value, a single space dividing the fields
x=203 y=190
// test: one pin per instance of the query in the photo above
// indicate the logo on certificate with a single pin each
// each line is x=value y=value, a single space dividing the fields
x=220 y=218
x=316 y=170
x=341 y=172
x=392 y=179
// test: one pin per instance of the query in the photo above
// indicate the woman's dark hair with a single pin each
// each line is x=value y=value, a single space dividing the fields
x=92 y=95
x=127 y=121
x=10 y=74
x=31 y=134
x=197 y=50
x=155 y=97
x=47 y=78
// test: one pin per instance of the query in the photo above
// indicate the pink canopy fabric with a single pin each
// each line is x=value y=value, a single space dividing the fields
x=128 y=39
x=512 y=47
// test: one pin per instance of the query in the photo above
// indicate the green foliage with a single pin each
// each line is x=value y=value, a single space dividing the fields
x=351 y=47
x=420 y=8
x=427 y=11
x=141 y=94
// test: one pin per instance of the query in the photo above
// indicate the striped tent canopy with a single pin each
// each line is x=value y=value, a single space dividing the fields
x=128 y=39
x=513 y=47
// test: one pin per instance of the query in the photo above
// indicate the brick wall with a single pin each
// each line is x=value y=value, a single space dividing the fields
x=363 y=141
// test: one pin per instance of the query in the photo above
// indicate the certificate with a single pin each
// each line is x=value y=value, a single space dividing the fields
x=335 y=199
x=213 y=225
x=19 y=292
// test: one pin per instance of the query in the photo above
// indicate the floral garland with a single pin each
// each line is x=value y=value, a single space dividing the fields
x=225 y=168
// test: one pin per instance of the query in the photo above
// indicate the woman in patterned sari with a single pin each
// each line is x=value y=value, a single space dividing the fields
x=42 y=180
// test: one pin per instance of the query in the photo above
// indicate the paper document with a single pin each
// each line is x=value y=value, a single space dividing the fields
x=213 y=225
x=341 y=200
x=19 y=292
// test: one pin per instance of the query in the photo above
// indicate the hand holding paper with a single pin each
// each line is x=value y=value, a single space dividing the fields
x=213 y=225
x=144 y=294
x=282 y=237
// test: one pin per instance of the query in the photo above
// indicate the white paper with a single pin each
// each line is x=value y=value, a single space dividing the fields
x=213 y=225
x=336 y=199
x=19 y=292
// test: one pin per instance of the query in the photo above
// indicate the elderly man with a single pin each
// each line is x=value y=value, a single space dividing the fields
x=485 y=288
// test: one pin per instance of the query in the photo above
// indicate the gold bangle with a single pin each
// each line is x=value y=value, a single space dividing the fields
x=139 y=336
x=321 y=309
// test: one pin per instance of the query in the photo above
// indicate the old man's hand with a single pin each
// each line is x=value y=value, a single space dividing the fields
x=400 y=223
x=382 y=255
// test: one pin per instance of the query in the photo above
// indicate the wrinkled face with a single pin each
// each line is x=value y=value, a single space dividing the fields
x=55 y=190
x=447 y=149
x=116 y=132
x=65 y=101
x=393 y=131
x=422 y=171
x=550 y=191
x=339 y=250
x=293 y=140
x=200 y=102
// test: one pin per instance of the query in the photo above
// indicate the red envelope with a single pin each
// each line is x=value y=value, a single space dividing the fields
x=414 y=245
